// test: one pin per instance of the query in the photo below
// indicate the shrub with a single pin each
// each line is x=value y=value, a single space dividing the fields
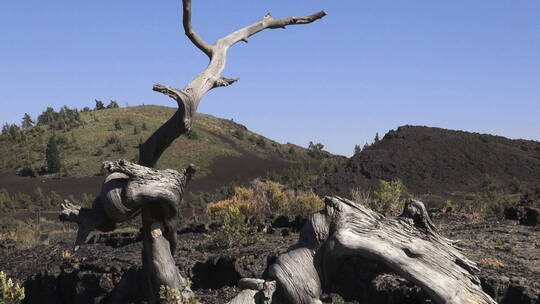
x=492 y=263
x=360 y=196
x=389 y=197
x=237 y=229
x=192 y=135
x=113 y=105
x=315 y=150
x=86 y=200
x=491 y=199
x=238 y=216
x=99 y=105
x=239 y=134
x=98 y=152
x=168 y=295
x=25 y=234
x=271 y=196
x=10 y=293
x=357 y=149
x=218 y=210
x=120 y=148
x=111 y=140
x=117 y=124
x=307 y=203
x=261 y=142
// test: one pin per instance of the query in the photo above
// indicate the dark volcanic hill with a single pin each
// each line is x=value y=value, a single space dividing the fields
x=434 y=160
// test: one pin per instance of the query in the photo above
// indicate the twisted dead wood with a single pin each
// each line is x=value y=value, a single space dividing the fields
x=409 y=245
x=131 y=189
x=189 y=97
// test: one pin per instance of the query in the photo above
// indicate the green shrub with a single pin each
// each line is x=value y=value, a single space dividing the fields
x=491 y=199
x=10 y=293
x=389 y=197
x=315 y=150
x=192 y=135
x=237 y=229
x=111 y=140
x=113 y=105
x=261 y=142
x=238 y=134
x=99 y=105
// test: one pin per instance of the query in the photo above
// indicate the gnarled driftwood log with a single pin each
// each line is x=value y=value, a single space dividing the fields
x=409 y=245
x=128 y=190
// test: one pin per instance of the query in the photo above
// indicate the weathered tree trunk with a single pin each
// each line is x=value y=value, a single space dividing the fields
x=408 y=244
x=130 y=189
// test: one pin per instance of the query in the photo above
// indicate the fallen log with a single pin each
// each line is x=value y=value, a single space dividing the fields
x=409 y=245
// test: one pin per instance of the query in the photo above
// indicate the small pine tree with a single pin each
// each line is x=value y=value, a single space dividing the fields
x=27 y=121
x=357 y=149
x=144 y=126
x=52 y=155
x=376 y=137
x=99 y=105
x=315 y=149
x=136 y=130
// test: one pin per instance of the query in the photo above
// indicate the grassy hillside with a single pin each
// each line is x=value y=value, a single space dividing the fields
x=111 y=134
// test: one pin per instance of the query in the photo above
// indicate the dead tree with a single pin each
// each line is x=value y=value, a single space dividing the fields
x=409 y=245
x=132 y=189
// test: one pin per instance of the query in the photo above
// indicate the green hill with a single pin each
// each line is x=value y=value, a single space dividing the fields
x=111 y=134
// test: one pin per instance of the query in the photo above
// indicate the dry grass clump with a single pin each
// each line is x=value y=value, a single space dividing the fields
x=249 y=207
x=169 y=295
x=265 y=198
x=10 y=293
x=307 y=203
x=25 y=234
x=493 y=263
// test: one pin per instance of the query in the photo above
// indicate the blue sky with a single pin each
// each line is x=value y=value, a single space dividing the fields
x=367 y=67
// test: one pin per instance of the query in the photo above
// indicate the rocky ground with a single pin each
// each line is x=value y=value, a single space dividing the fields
x=108 y=270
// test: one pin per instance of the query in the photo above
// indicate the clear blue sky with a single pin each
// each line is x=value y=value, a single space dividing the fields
x=369 y=66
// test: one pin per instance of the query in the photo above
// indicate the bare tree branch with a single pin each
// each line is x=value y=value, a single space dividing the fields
x=267 y=22
x=189 y=97
x=192 y=35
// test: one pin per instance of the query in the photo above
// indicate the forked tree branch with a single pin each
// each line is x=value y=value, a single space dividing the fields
x=189 y=97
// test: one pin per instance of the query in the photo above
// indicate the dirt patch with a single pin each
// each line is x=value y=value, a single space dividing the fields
x=64 y=186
